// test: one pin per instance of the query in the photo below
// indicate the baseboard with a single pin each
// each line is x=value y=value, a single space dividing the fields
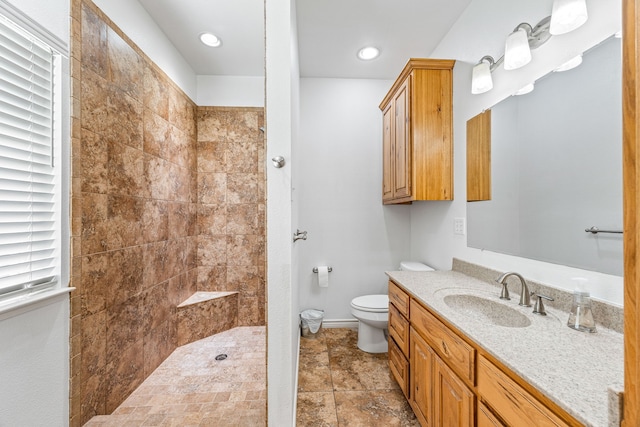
x=340 y=323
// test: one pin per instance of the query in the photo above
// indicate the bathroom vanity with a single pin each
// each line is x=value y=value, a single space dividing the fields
x=464 y=357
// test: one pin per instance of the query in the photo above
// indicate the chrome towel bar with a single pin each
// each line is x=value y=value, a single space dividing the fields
x=596 y=230
x=315 y=269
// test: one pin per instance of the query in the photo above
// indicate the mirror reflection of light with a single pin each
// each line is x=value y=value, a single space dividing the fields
x=570 y=64
x=525 y=90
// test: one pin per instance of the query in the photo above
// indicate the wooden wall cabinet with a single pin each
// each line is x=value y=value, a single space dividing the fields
x=417 y=133
x=479 y=157
x=449 y=381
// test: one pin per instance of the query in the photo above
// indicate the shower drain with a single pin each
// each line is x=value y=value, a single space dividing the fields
x=221 y=356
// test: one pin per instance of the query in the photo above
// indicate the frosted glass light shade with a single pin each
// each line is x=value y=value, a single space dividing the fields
x=567 y=15
x=481 y=80
x=516 y=51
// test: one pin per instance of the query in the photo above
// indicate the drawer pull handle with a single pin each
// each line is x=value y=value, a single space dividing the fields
x=444 y=348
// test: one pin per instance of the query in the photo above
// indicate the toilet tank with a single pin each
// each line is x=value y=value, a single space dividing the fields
x=414 y=266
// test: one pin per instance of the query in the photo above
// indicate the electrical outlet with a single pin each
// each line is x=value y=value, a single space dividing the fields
x=459 y=226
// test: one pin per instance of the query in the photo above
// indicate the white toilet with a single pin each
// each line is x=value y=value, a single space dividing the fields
x=372 y=312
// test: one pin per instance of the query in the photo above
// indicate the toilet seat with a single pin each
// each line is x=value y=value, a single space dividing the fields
x=371 y=303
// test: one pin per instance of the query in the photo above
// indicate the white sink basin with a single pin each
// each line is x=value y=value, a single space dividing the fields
x=487 y=311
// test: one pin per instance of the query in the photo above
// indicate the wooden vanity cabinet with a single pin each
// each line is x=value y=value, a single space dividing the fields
x=421 y=379
x=449 y=381
x=510 y=401
x=399 y=337
x=417 y=133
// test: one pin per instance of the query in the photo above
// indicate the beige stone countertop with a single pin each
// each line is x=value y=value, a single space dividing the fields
x=572 y=368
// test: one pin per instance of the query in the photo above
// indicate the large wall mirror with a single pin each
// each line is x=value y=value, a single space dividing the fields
x=556 y=166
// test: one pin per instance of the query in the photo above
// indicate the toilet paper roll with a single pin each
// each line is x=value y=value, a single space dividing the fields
x=323 y=276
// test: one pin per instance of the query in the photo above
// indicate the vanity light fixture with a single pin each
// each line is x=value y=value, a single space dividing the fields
x=210 y=40
x=368 y=53
x=567 y=15
x=517 y=51
x=570 y=64
x=481 y=80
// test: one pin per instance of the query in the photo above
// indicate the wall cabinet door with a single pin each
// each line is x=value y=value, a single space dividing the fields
x=387 y=153
x=402 y=143
x=454 y=402
x=421 y=374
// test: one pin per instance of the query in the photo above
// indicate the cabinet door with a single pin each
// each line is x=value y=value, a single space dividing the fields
x=402 y=142
x=454 y=402
x=387 y=153
x=421 y=374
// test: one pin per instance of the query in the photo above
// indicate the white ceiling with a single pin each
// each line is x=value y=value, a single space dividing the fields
x=330 y=32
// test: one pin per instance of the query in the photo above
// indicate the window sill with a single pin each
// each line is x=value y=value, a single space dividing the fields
x=32 y=302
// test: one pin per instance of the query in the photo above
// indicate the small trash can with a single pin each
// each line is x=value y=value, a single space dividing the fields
x=311 y=322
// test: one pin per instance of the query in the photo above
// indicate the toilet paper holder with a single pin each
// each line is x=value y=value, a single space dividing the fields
x=315 y=269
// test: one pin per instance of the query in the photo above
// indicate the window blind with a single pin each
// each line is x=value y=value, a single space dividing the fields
x=28 y=254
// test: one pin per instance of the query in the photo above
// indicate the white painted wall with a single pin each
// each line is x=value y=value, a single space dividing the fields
x=34 y=358
x=138 y=25
x=34 y=355
x=281 y=124
x=339 y=192
x=230 y=91
x=480 y=31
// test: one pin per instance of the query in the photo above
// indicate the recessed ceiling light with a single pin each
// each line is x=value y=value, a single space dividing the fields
x=368 y=53
x=210 y=39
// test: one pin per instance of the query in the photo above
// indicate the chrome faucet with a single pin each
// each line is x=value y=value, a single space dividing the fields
x=525 y=296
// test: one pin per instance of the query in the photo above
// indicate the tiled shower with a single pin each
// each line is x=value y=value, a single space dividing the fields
x=168 y=198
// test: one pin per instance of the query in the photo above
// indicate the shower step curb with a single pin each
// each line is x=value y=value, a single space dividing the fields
x=206 y=313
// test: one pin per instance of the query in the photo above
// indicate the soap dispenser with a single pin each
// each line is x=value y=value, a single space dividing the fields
x=581 y=317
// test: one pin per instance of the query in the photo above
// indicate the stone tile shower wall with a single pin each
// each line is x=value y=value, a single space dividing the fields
x=133 y=212
x=138 y=205
x=231 y=207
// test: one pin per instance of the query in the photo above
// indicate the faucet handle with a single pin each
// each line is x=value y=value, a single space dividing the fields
x=538 y=307
x=504 y=294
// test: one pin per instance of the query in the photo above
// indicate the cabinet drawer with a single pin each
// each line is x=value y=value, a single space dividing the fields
x=459 y=355
x=486 y=417
x=510 y=401
x=399 y=298
x=399 y=366
x=399 y=329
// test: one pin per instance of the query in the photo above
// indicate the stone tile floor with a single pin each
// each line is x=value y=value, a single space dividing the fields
x=340 y=385
x=191 y=388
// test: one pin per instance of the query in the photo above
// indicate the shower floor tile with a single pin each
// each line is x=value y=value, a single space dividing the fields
x=191 y=388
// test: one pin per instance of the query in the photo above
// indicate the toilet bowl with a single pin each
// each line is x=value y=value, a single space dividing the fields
x=372 y=312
